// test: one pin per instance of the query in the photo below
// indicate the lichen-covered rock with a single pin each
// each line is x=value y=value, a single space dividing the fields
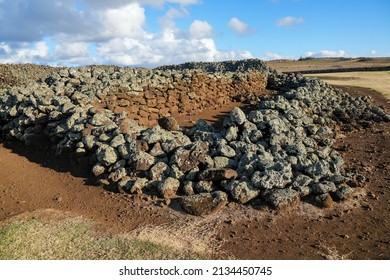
x=141 y=161
x=225 y=150
x=281 y=198
x=117 y=141
x=224 y=162
x=138 y=185
x=344 y=192
x=106 y=155
x=168 y=187
x=100 y=119
x=98 y=170
x=237 y=116
x=204 y=186
x=241 y=191
x=324 y=187
x=190 y=156
x=118 y=174
x=159 y=171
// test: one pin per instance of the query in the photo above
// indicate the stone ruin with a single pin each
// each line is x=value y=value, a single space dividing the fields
x=119 y=120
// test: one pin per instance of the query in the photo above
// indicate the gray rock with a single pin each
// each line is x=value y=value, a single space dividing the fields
x=159 y=171
x=225 y=150
x=98 y=170
x=157 y=151
x=241 y=191
x=204 y=203
x=89 y=142
x=138 y=185
x=281 y=198
x=324 y=187
x=231 y=133
x=301 y=184
x=319 y=169
x=255 y=116
x=344 y=192
x=188 y=188
x=125 y=184
x=237 y=116
x=176 y=172
x=190 y=156
x=141 y=161
x=106 y=155
x=224 y=162
x=123 y=151
x=168 y=188
x=100 y=119
x=117 y=140
x=118 y=174
x=202 y=126
x=204 y=186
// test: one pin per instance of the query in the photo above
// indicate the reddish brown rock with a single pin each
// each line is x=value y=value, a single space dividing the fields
x=204 y=203
x=169 y=123
x=217 y=174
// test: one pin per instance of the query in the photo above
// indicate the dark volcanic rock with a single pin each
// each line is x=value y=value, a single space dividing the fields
x=190 y=156
x=204 y=203
x=169 y=123
x=217 y=174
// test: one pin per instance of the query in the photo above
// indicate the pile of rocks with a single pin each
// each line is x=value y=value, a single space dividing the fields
x=279 y=153
x=21 y=74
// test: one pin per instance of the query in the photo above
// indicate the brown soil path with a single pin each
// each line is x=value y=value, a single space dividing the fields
x=359 y=229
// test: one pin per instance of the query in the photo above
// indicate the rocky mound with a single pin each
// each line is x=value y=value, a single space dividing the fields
x=277 y=154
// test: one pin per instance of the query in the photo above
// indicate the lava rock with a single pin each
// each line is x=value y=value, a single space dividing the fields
x=241 y=191
x=204 y=204
x=168 y=187
x=217 y=174
x=281 y=198
x=169 y=123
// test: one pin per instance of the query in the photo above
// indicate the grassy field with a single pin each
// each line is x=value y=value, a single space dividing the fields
x=378 y=81
x=78 y=239
x=286 y=65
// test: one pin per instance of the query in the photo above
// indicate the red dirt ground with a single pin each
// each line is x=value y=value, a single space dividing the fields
x=358 y=229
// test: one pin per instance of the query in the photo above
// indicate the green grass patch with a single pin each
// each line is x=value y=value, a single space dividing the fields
x=76 y=239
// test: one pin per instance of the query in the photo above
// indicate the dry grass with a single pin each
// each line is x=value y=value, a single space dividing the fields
x=378 y=81
x=77 y=239
x=327 y=63
x=331 y=253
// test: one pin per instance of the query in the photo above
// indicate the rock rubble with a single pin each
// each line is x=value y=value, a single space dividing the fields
x=279 y=153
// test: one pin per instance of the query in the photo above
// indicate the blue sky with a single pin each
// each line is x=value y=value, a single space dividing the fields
x=156 y=32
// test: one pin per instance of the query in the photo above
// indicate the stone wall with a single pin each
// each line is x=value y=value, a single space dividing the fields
x=149 y=94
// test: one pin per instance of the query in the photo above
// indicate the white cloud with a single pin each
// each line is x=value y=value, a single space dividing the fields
x=23 y=53
x=200 y=29
x=325 y=53
x=289 y=22
x=273 y=56
x=373 y=52
x=65 y=50
x=126 y=21
x=168 y=20
x=239 y=28
x=62 y=33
